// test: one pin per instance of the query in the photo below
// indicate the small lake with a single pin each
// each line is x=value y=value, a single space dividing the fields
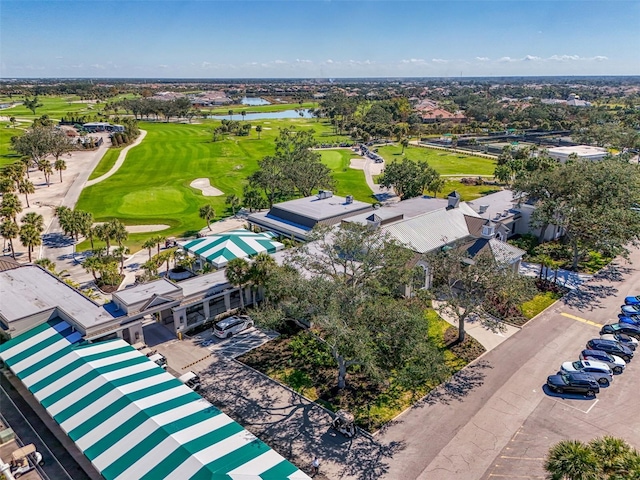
x=253 y=101
x=304 y=113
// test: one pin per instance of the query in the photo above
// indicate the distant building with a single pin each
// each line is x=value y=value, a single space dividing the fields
x=586 y=152
x=209 y=99
x=573 y=101
x=94 y=127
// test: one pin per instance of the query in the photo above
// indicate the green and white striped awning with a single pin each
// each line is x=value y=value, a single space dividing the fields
x=129 y=417
x=219 y=249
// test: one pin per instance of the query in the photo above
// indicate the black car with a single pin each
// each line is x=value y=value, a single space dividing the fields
x=573 y=383
x=626 y=328
x=612 y=347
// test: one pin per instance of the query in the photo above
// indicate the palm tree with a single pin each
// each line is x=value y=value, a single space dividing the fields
x=159 y=239
x=237 y=273
x=149 y=244
x=35 y=220
x=233 y=201
x=10 y=230
x=103 y=233
x=571 y=460
x=46 y=264
x=30 y=238
x=230 y=114
x=118 y=231
x=243 y=113
x=262 y=266
x=60 y=165
x=121 y=252
x=405 y=143
x=93 y=265
x=259 y=130
x=207 y=213
x=26 y=187
x=12 y=121
x=10 y=206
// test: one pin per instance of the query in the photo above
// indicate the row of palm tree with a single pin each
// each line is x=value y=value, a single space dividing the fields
x=240 y=273
x=29 y=231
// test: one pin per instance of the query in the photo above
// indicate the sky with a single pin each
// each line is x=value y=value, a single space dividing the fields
x=317 y=39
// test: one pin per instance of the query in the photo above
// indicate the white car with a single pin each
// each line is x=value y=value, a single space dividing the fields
x=232 y=325
x=598 y=370
x=615 y=363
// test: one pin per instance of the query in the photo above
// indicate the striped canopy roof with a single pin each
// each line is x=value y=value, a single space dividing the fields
x=219 y=249
x=131 y=418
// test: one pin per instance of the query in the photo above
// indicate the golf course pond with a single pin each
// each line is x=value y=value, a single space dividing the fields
x=285 y=114
x=254 y=101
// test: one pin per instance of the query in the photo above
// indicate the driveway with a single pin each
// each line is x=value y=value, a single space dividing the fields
x=495 y=416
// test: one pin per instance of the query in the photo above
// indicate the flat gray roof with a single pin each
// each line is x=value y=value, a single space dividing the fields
x=212 y=283
x=496 y=204
x=321 y=209
x=143 y=292
x=29 y=290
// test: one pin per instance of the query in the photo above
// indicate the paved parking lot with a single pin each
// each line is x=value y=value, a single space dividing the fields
x=237 y=345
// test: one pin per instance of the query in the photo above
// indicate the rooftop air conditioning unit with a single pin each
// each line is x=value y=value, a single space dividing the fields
x=349 y=199
x=483 y=208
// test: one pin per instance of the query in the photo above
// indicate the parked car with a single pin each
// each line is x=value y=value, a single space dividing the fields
x=598 y=370
x=616 y=364
x=625 y=328
x=573 y=383
x=232 y=325
x=632 y=300
x=612 y=347
x=630 y=319
x=630 y=309
x=621 y=338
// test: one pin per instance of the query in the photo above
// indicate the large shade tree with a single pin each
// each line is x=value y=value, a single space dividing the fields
x=408 y=178
x=592 y=202
x=343 y=287
x=466 y=288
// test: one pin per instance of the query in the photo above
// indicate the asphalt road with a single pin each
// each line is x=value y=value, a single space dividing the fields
x=495 y=416
x=30 y=429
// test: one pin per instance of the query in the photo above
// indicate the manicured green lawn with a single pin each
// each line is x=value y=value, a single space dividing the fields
x=55 y=106
x=467 y=192
x=106 y=163
x=348 y=180
x=7 y=155
x=277 y=107
x=152 y=186
x=444 y=162
x=538 y=303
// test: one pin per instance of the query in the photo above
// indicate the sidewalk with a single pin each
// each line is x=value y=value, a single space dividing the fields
x=483 y=334
x=566 y=278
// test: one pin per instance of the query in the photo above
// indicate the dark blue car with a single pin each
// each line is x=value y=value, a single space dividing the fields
x=630 y=319
x=632 y=300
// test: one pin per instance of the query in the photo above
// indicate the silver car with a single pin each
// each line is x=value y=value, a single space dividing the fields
x=598 y=370
x=232 y=325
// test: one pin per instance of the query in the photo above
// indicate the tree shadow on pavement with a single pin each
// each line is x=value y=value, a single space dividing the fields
x=458 y=386
x=293 y=426
x=588 y=296
x=613 y=272
x=56 y=240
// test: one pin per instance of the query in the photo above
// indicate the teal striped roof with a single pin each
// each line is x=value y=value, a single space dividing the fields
x=129 y=417
x=219 y=249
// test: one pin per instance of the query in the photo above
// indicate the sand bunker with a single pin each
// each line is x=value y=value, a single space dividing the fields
x=357 y=163
x=204 y=185
x=145 y=228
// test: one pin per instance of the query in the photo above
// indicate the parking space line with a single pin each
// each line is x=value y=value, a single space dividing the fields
x=521 y=458
x=580 y=319
x=579 y=409
x=512 y=476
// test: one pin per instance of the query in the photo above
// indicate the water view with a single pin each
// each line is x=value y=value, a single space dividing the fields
x=303 y=113
x=254 y=101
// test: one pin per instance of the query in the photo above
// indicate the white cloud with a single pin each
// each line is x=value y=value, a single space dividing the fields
x=329 y=61
x=564 y=58
x=279 y=62
x=298 y=60
x=506 y=59
x=163 y=66
x=205 y=65
x=483 y=59
x=531 y=58
x=413 y=60
x=600 y=58
x=439 y=60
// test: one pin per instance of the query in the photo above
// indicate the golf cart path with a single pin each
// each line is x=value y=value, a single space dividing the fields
x=119 y=161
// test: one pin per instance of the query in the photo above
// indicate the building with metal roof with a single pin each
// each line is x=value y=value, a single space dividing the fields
x=131 y=418
x=296 y=218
